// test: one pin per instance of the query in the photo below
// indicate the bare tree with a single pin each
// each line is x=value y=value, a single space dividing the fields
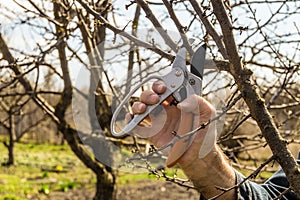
x=259 y=64
x=10 y=124
x=59 y=32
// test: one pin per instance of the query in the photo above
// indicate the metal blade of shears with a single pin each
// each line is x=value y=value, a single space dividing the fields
x=198 y=61
x=180 y=60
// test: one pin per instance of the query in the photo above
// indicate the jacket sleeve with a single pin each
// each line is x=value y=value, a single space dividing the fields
x=271 y=189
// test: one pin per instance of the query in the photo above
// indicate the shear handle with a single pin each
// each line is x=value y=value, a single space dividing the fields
x=173 y=81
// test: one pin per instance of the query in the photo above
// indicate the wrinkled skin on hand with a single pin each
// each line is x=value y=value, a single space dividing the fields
x=180 y=119
x=200 y=158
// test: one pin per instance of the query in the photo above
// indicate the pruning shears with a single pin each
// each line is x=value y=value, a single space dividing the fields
x=180 y=84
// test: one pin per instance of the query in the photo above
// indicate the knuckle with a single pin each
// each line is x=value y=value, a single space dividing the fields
x=145 y=96
x=159 y=86
x=135 y=107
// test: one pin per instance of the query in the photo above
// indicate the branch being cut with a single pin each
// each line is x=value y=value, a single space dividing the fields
x=209 y=27
x=149 y=14
x=180 y=28
x=221 y=64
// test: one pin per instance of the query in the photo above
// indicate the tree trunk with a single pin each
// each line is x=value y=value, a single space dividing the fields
x=10 y=144
x=255 y=103
x=10 y=147
x=99 y=109
x=105 y=176
x=105 y=187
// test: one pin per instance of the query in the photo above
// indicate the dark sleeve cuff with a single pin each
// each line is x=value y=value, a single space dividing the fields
x=250 y=190
x=271 y=189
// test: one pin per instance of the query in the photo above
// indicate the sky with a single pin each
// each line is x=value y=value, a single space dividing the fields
x=26 y=38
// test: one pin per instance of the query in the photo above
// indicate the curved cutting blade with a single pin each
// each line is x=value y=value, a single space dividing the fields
x=198 y=60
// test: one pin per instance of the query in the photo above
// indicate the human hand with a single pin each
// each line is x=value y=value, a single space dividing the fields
x=180 y=119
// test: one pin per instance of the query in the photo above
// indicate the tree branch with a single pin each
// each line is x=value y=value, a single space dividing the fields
x=149 y=14
x=121 y=32
x=209 y=27
x=255 y=103
x=180 y=28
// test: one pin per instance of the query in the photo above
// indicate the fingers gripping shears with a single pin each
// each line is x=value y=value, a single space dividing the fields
x=180 y=84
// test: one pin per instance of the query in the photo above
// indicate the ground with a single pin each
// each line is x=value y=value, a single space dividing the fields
x=50 y=172
x=140 y=190
x=155 y=190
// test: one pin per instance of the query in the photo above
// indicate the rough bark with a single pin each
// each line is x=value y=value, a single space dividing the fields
x=254 y=101
x=11 y=144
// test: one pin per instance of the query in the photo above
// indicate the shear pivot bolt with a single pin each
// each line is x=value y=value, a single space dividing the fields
x=178 y=73
x=192 y=82
x=173 y=85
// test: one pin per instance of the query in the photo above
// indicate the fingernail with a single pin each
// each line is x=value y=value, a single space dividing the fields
x=140 y=106
x=160 y=87
x=154 y=98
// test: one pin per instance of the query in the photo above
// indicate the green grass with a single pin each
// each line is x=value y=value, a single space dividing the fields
x=32 y=174
x=127 y=178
